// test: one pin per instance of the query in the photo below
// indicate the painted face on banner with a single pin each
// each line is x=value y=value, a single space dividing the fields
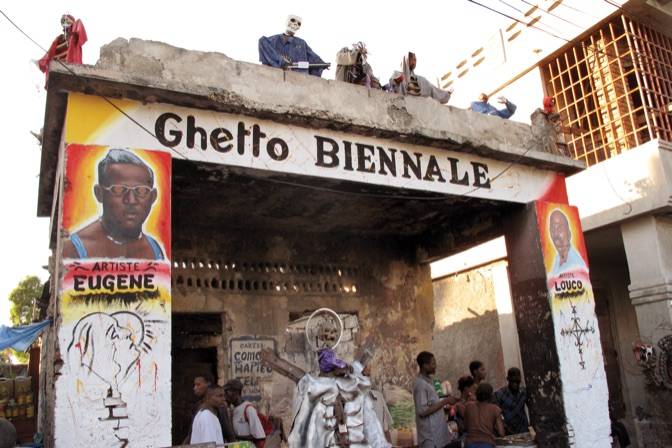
x=127 y=197
x=559 y=229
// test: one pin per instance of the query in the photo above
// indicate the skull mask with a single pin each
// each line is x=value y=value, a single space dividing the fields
x=327 y=333
x=66 y=22
x=293 y=24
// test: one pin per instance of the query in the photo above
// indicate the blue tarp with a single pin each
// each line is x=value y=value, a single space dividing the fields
x=20 y=338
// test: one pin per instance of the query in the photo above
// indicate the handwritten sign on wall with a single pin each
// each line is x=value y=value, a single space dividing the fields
x=246 y=365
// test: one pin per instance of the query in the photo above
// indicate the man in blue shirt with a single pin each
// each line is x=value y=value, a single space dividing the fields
x=482 y=106
x=286 y=49
x=511 y=399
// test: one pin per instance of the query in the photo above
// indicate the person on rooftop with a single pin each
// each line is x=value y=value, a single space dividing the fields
x=482 y=106
x=406 y=82
x=284 y=50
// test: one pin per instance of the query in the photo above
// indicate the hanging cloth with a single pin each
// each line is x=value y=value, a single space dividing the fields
x=21 y=337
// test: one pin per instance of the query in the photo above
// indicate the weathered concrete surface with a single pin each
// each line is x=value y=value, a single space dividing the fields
x=465 y=316
x=635 y=183
x=331 y=102
x=648 y=248
x=618 y=329
x=232 y=276
x=534 y=319
x=154 y=71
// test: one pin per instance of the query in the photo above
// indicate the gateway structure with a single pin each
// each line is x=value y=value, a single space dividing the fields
x=240 y=198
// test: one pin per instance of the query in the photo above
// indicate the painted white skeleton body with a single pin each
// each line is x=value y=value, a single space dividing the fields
x=315 y=423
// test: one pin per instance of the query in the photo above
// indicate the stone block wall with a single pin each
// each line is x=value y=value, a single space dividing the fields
x=261 y=282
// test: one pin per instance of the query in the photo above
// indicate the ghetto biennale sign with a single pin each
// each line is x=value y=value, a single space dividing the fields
x=246 y=365
x=249 y=142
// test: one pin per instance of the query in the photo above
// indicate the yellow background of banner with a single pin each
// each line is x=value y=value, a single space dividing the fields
x=88 y=116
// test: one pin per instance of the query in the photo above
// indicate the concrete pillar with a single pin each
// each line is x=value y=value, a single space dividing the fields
x=648 y=248
x=557 y=328
x=507 y=321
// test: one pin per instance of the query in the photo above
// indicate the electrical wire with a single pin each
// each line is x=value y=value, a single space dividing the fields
x=552 y=14
x=604 y=52
x=578 y=10
x=108 y=100
x=517 y=20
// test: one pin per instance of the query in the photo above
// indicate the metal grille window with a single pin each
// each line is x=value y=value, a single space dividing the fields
x=614 y=87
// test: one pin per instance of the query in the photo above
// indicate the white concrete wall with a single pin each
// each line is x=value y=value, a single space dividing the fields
x=634 y=183
x=505 y=59
x=494 y=273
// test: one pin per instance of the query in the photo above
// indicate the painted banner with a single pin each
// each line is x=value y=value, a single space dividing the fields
x=114 y=333
x=248 y=142
x=577 y=336
x=246 y=365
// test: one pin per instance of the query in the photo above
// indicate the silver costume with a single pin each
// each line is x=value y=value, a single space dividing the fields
x=315 y=409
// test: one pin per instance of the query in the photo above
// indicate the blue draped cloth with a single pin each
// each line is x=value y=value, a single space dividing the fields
x=20 y=338
x=488 y=109
x=294 y=49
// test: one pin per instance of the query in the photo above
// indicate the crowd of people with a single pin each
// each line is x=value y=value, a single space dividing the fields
x=220 y=415
x=474 y=418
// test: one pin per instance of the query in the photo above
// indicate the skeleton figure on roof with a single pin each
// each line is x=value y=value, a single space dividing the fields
x=66 y=47
x=283 y=50
x=332 y=407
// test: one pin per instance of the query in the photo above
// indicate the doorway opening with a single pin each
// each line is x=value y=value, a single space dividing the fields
x=196 y=338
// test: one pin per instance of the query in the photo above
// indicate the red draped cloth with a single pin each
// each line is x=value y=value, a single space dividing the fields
x=72 y=54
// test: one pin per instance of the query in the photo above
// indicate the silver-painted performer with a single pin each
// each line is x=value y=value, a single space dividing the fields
x=332 y=408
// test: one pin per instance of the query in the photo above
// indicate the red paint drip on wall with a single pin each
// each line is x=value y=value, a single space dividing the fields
x=156 y=375
x=557 y=191
x=137 y=363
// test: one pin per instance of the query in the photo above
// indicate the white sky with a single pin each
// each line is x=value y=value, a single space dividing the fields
x=437 y=31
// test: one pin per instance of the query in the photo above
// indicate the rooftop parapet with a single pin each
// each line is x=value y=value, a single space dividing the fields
x=157 y=72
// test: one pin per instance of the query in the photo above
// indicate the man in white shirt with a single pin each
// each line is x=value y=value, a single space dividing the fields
x=246 y=423
x=206 y=427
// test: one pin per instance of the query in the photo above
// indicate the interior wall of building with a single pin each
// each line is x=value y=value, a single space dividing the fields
x=261 y=282
x=467 y=325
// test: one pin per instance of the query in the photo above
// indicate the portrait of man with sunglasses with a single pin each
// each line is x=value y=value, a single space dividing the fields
x=126 y=191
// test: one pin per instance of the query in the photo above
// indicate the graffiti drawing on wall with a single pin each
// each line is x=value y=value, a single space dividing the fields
x=578 y=331
x=115 y=299
x=656 y=361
